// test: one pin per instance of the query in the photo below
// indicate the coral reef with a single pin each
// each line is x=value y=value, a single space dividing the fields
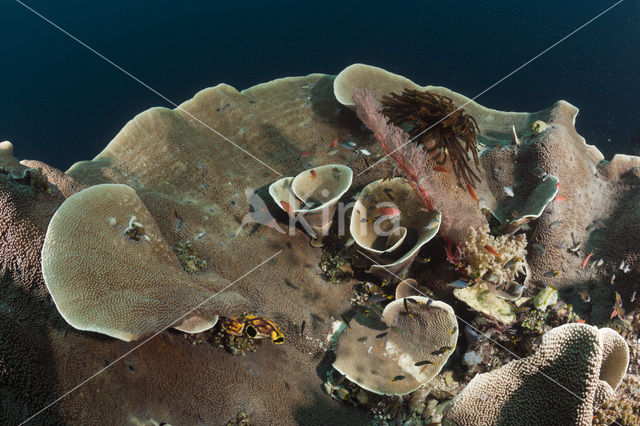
x=191 y=185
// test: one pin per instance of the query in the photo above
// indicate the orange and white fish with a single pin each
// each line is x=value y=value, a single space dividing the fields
x=472 y=192
x=492 y=251
x=334 y=143
x=313 y=174
x=586 y=259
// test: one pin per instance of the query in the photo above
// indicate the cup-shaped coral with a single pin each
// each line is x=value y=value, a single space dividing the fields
x=109 y=270
x=313 y=195
x=390 y=223
x=400 y=352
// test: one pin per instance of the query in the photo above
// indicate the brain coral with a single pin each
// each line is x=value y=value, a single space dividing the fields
x=573 y=371
x=109 y=270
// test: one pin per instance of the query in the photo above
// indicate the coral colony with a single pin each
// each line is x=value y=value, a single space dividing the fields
x=436 y=262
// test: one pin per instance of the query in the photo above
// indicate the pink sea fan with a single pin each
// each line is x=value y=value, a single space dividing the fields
x=418 y=168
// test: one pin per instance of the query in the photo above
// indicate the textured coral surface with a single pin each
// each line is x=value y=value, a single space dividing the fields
x=193 y=183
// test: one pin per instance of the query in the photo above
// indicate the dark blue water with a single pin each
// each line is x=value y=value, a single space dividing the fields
x=61 y=103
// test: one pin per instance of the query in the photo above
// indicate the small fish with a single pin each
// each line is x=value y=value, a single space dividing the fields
x=613 y=278
x=585 y=296
x=429 y=302
x=617 y=310
x=513 y=261
x=633 y=297
x=333 y=151
x=442 y=350
x=552 y=273
x=453 y=330
x=397 y=378
x=362 y=339
x=621 y=267
x=618 y=299
x=440 y=169
x=336 y=173
x=523 y=309
x=381 y=335
x=515 y=214
x=432 y=224
x=539 y=247
x=591 y=227
x=406 y=308
x=364 y=151
x=287 y=207
x=626 y=269
x=345 y=320
x=414 y=301
x=492 y=251
x=558 y=186
x=348 y=144
x=599 y=263
x=574 y=248
x=396 y=329
x=581 y=321
x=306 y=154
x=421 y=363
x=313 y=174
x=508 y=190
x=559 y=245
x=554 y=224
x=302 y=327
x=334 y=144
x=472 y=192
x=388 y=211
x=600 y=224
x=539 y=173
x=560 y=198
x=586 y=259
x=459 y=284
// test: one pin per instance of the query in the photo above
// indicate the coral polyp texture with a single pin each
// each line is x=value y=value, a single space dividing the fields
x=87 y=264
x=403 y=350
x=109 y=270
x=575 y=369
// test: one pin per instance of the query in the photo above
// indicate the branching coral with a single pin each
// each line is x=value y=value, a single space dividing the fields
x=444 y=129
x=486 y=256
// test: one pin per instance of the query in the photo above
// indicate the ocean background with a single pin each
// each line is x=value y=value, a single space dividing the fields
x=61 y=103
